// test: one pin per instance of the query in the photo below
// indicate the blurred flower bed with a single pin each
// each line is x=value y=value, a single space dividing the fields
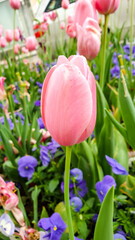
x=80 y=94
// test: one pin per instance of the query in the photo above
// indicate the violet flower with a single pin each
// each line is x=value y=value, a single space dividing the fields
x=115 y=71
x=44 y=155
x=117 y=168
x=40 y=123
x=7 y=227
x=52 y=147
x=55 y=225
x=26 y=166
x=76 y=202
x=126 y=49
x=118 y=236
x=103 y=186
x=15 y=99
x=115 y=59
x=37 y=103
x=77 y=174
x=11 y=125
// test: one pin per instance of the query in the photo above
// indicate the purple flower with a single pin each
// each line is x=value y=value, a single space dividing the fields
x=7 y=227
x=95 y=217
x=115 y=59
x=44 y=155
x=126 y=49
x=76 y=202
x=118 y=236
x=44 y=235
x=54 y=224
x=11 y=125
x=133 y=72
x=82 y=188
x=40 y=123
x=77 y=174
x=52 y=147
x=37 y=103
x=1 y=105
x=115 y=71
x=127 y=57
x=78 y=238
x=26 y=166
x=18 y=114
x=15 y=99
x=117 y=168
x=133 y=49
x=103 y=186
x=97 y=76
x=39 y=84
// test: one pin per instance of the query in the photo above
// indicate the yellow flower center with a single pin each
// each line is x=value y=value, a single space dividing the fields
x=55 y=228
x=26 y=167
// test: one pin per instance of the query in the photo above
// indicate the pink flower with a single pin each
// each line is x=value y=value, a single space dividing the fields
x=53 y=15
x=16 y=49
x=24 y=50
x=44 y=26
x=64 y=4
x=89 y=38
x=9 y=35
x=62 y=25
x=84 y=9
x=45 y=16
x=31 y=43
x=71 y=30
x=3 y=42
x=16 y=34
x=2 y=90
x=106 y=6
x=15 y=4
x=1 y=30
x=68 y=107
x=70 y=19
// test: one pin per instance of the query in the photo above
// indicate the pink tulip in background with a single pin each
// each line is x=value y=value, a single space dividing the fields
x=16 y=34
x=106 y=6
x=71 y=30
x=2 y=90
x=3 y=42
x=24 y=50
x=15 y=4
x=65 y=4
x=17 y=48
x=84 y=9
x=68 y=101
x=31 y=43
x=89 y=38
x=53 y=15
x=9 y=35
x=62 y=25
x=1 y=30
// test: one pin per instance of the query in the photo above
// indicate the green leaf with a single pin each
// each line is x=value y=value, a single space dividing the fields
x=104 y=224
x=127 y=110
x=44 y=213
x=35 y=195
x=53 y=185
x=128 y=187
x=82 y=227
x=24 y=132
x=21 y=206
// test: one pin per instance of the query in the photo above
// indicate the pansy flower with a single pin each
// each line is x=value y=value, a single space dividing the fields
x=7 y=227
x=26 y=166
x=117 y=168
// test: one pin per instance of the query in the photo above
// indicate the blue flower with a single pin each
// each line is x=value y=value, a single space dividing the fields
x=126 y=49
x=26 y=166
x=39 y=84
x=44 y=235
x=15 y=99
x=103 y=186
x=44 y=155
x=11 y=125
x=133 y=72
x=76 y=202
x=115 y=59
x=95 y=217
x=7 y=227
x=76 y=238
x=115 y=71
x=52 y=147
x=40 y=123
x=118 y=236
x=37 y=103
x=77 y=174
x=55 y=225
x=127 y=57
x=117 y=168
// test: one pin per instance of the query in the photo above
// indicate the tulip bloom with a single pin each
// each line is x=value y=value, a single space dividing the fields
x=1 y=30
x=84 y=9
x=31 y=43
x=9 y=35
x=89 y=38
x=16 y=49
x=64 y=4
x=2 y=90
x=68 y=101
x=16 y=34
x=15 y=4
x=106 y=6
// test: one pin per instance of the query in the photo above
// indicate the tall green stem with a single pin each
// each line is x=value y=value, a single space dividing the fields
x=13 y=116
x=66 y=192
x=102 y=80
x=14 y=31
x=131 y=38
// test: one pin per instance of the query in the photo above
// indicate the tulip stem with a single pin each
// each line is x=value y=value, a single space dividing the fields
x=102 y=80
x=131 y=39
x=66 y=192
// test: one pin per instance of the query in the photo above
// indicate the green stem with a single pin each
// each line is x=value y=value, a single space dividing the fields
x=13 y=116
x=14 y=31
x=102 y=80
x=131 y=38
x=66 y=192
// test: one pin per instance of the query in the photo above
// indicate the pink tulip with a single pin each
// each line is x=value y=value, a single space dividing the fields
x=68 y=101
x=15 y=4
x=9 y=35
x=65 y=4
x=16 y=49
x=71 y=30
x=24 y=50
x=53 y=16
x=70 y=19
x=106 y=6
x=84 y=9
x=2 y=95
x=3 y=42
x=1 y=30
x=89 y=38
x=16 y=34
x=44 y=26
x=62 y=25
x=45 y=16
x=31 y=43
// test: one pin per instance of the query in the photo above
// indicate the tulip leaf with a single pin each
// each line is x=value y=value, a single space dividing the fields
x=104 y=224
x=128 y=187
x=21 y=206
x=127 y=110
